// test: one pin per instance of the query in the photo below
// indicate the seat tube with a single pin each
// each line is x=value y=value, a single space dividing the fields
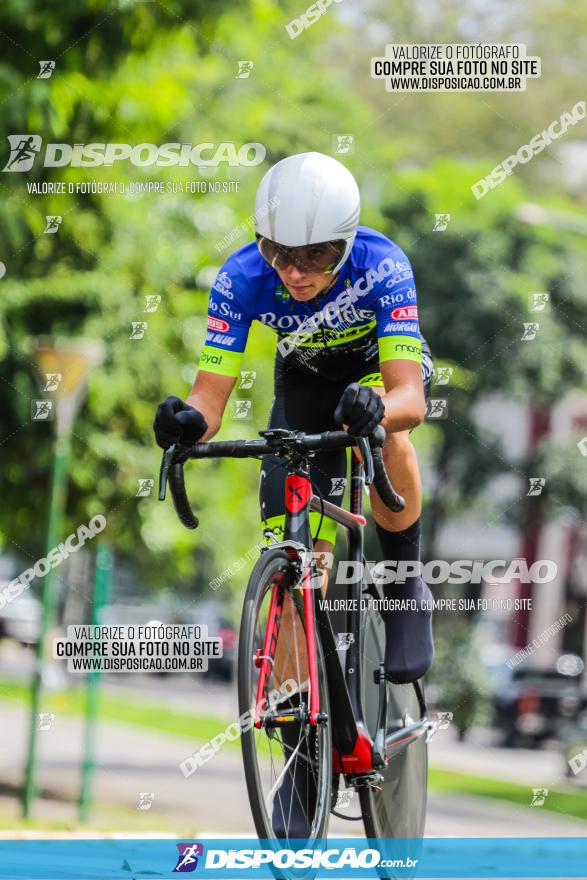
x=354 y=614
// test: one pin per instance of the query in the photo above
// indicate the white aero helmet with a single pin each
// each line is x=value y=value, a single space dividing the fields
x=306 y=199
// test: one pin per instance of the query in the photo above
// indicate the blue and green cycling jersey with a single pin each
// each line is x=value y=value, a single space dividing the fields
x=370 y=310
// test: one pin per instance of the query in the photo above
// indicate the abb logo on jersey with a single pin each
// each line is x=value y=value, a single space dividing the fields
x=218 y=324
x=404 y=313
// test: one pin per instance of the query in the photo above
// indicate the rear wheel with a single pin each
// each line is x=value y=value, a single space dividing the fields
x=397 y=808
x=306 y=751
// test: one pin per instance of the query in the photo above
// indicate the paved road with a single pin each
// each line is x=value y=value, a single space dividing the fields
x=213 y=800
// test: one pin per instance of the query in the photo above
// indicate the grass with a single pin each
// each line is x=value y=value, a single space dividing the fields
x=137 y=713
x=568 y=802
x=150 y=716
x=106 y=818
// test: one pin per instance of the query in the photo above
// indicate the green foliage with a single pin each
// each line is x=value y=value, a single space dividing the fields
x=458 y=674
x=148 y=72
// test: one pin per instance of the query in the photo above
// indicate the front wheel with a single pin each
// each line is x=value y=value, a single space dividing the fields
x=288 y=766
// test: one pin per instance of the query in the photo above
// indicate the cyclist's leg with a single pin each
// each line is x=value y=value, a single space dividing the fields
x=328 y=473
x=409 y=644
x=304 y=404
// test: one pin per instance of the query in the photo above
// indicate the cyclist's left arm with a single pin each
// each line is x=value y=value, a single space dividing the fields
x=400 y=347
x=405 y=406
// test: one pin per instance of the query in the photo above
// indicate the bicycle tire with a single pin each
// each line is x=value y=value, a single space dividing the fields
x=398 y=810
x=275 y=562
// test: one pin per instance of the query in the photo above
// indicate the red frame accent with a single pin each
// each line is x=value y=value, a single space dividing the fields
x=269 y=644
x=311 y=645
x=359 y=761
x=298 y=491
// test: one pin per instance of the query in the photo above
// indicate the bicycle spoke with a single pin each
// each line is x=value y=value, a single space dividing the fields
x=287 y=765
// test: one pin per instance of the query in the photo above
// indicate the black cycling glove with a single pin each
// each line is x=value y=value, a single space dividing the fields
x=361 y=408
x=177 y=421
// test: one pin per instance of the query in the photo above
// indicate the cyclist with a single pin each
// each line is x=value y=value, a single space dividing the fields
x=342 y=300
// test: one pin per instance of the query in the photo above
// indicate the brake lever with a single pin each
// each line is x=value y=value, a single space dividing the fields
x=367 y=457
x=166 y=462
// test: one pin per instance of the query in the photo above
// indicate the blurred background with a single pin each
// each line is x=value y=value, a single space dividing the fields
x=114 y=302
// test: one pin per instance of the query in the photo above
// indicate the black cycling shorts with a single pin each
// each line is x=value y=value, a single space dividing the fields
x=306 y=402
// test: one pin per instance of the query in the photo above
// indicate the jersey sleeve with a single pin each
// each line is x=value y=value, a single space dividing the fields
x=228 y=322
x=396 y=312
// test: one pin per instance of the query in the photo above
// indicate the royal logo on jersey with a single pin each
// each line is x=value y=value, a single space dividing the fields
x=218 y=324
x=404 y=313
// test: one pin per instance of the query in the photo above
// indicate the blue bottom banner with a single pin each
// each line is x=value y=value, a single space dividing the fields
x=224 y=858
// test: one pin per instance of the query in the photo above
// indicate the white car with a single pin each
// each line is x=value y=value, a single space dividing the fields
x=20 y=619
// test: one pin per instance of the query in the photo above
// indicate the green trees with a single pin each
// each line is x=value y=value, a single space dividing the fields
x=136 y=73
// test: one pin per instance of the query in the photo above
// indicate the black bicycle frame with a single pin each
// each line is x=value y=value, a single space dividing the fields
x=356 y=752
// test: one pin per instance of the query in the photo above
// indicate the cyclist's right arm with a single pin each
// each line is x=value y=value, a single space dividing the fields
x=229 y=321
x=209 y=395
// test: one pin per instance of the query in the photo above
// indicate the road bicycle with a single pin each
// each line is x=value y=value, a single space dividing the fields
x=353 y=723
